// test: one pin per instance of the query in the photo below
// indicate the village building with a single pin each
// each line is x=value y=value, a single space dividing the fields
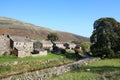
x=47 y=45
x=72 y=45
x=22 y=46
x=4 y=44
x=60 y=44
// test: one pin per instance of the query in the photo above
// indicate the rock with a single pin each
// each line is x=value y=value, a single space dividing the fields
x=88 y=69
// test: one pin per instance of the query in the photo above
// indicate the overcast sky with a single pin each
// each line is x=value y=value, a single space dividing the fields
x=75 y=16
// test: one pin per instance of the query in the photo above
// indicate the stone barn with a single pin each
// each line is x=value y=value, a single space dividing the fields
x=47 y=45
x=22 y=45
x=60 y=44
x=72 y=45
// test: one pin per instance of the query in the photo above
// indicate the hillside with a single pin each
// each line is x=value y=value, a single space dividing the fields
x=16 y=27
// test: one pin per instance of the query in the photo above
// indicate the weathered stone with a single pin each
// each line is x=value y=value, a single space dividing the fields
x=4 y=44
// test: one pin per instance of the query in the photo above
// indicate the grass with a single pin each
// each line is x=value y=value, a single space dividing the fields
x=30 y=63
x=13 y=58
x=107 y=69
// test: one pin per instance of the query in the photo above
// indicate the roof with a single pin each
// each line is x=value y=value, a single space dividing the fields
x=71 y=44
x=3 y=37
x=59 y=42
x=46 y=42
x=20 y=39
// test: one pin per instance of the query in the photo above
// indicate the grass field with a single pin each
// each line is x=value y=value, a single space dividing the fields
x=107 y=69
x=13 y=58
x=11 y=65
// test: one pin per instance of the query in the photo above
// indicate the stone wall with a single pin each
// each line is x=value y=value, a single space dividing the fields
x=41 y=53
x=4 y=44
x=50 y=72
x=23 y=53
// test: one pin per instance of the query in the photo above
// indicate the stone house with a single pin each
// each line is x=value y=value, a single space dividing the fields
x=60 y=44
x=22 y=46
x=72 y=45
x=47 y=45
x=4 y=44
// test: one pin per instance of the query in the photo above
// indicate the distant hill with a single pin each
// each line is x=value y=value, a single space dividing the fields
x=19 y=28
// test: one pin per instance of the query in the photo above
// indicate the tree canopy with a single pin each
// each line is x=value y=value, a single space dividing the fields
x=52 y=37
x=105 y=37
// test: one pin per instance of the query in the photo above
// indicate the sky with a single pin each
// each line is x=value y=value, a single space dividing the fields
x=74 y=16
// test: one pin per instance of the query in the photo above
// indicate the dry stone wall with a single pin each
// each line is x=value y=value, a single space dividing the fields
x=50 y=72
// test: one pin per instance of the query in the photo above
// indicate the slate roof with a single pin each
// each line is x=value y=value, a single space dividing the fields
x=20 y=39
x=46 y=42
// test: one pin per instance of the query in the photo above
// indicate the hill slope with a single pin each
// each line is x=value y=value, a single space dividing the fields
x=16 y=27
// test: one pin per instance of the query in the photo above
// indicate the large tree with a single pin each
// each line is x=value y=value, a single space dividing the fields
x=105 y=37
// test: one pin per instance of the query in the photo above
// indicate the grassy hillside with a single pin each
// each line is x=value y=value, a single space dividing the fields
x=108 y=69
x=16 y=27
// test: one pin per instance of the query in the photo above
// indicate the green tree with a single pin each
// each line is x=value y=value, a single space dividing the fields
x=84 y=44
x=105 y=37
x=52 y=37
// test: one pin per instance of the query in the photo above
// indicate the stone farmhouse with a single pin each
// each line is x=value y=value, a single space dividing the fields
x=72 y=45
x=47 y=45
x=22 y=46
x=60 y=44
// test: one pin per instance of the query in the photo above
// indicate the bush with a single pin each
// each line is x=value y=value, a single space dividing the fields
x=118 y=54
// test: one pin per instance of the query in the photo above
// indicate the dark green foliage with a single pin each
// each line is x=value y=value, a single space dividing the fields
x=52 y=37
x=82 y=47
x=85 y=45
x=105 y=38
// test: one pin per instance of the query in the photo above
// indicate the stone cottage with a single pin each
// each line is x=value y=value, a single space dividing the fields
x=47 y=45
x=72 y=45
x=4 y=44
x=60 y=44
x=22 y=46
